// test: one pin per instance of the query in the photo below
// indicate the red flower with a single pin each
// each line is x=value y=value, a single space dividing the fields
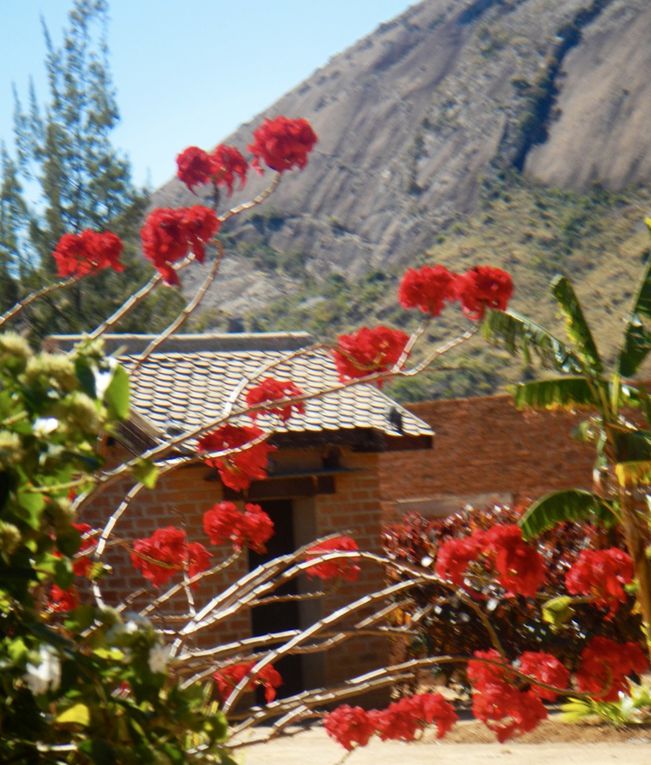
x=282 y=144
x=454 y=556
x=225 y=523
x=403 y=719
x=332 y=569
x=239 y=468
x=227 y=678
x=482 y=673
x=397 y=722
x=605 y=665
x=349 y=726
x=483 y=287
x=433 y=708
x=601 y=574
x=227 y=162
x=62 y=601
x=166 y=552
x=168 y=235
x=82 y=564
x=520 y=566
x=547 y=669
x=427 y=288
x=87 y=253
x=367 y=351
x=274 y=390
x=257 y=528
x=506 y=710
x=194 y=167
x=198 y=558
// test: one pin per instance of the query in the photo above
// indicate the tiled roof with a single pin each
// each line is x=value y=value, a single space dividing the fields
x=188 y=381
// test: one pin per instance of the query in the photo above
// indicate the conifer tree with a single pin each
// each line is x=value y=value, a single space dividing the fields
x=64 y=150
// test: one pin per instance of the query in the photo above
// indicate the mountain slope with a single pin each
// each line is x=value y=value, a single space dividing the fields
x=420 y=122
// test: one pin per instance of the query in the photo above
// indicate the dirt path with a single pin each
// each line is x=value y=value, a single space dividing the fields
x=313 y=747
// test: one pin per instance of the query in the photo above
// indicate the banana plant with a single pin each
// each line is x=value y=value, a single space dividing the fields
x=618 y=414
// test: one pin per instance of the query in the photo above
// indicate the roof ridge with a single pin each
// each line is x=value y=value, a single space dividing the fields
x=131 y=343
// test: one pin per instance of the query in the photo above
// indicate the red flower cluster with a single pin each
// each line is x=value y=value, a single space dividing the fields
x=166 y=552
x=239 y=468
x=455 y=555
x=605 y=666
x=227 y=678
x=601 y=574
x=82 y=564
x=502 y=707
x=227 y=164
x=225 y=523
x=400 y=721
x=403 y=719
x=168 y=235
x=61 y=601
x=546 y=668
x=367 y=351
x=87 y=253
x=349 y=726
x=343 y=568
x=271 y=389
x=483 y=287
x=508 y=711
x=427 y=288
x=520 y=567
x=196 y=167
x=282 y=144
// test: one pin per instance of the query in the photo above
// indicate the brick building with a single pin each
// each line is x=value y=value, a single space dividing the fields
x=323 y=478
x=354 y=460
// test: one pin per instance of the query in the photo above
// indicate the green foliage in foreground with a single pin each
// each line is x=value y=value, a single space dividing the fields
x=90 y=685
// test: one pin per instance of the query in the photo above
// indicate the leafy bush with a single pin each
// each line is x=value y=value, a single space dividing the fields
x=451 y=628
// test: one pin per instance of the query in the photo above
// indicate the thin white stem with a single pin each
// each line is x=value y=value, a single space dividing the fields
x=25 y=302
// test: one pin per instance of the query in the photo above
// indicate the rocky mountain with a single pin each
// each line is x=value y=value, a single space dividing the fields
x=417 y=119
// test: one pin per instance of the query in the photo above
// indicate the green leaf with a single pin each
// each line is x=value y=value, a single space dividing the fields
x=521 y=336
x=116 y=397
x=561 y=506
x=146 y=472
x=575 y=324
x=77 y=714
x=632 y=445
x=633 y=473
x=558 y=611
x=559 y=393
x=69 y=541
x=574 y=710
x=32 y=503
x=637 y=338
x=86 y=376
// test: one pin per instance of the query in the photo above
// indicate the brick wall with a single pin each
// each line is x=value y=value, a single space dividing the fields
x=355 y=507
x=484 y=450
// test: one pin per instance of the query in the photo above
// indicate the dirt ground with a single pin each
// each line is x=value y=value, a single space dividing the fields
x=468 y=744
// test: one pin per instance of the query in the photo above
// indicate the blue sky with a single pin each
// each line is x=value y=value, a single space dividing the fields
x=188 y=72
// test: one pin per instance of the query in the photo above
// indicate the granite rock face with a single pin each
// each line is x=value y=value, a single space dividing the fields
x=413 y=117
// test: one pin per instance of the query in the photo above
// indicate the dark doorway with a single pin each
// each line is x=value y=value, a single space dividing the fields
x=285 y=615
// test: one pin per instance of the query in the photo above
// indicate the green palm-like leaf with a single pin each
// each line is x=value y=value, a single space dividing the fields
x=575 y=324
x=632 y=445
x=561 y=506
x=637 y=337
x=520 y=335
x=559 y=393
x=631 y=474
